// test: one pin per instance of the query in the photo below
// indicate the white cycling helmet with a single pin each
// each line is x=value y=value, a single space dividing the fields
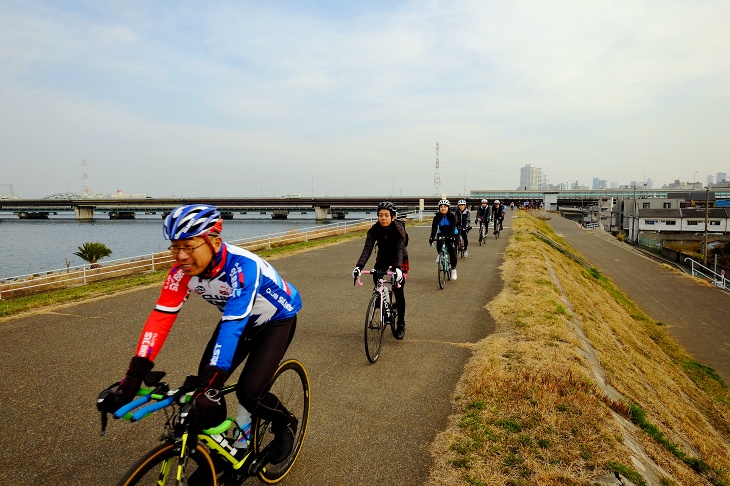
x=444 y=202
x=461 y=201
x=484 y=201
x=496 y=201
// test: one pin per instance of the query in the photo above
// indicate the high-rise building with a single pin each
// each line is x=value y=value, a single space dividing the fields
x=710 y=180
x=531 y=178
x=721 y=177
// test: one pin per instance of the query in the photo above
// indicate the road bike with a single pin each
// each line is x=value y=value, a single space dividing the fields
x=210 y=458
x=460 y=246
x=483 y=231
x=381 y=312
x=497 y=227
x=443 y=265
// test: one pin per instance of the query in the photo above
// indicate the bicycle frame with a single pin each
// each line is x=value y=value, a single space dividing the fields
x=232 y=463
x=387 y=314
x=381 y=287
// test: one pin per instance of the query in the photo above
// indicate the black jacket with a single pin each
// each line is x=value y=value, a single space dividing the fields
x=391 y=242
x=447 y=226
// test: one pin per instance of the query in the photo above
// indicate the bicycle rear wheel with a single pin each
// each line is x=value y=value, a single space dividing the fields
x=393 y=314
x=160 y=466
x=374 y=328
x=290 y=384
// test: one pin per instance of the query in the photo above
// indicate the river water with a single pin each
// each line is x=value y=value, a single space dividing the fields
x=35 y=246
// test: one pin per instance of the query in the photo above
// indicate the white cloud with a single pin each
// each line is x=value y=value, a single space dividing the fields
x=320 y=92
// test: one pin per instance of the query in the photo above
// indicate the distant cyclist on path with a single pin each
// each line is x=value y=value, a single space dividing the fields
x=498 y=211
x=463 y=222
x=444 y=223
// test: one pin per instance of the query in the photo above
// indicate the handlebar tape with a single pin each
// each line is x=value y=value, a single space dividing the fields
x=121 y=412
x=153 y=407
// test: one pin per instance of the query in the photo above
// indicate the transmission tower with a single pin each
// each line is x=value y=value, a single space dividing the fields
x=436 y=175
x=85 y=177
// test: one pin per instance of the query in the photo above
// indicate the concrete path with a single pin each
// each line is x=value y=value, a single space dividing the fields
x=370 y=424
x=696 y=315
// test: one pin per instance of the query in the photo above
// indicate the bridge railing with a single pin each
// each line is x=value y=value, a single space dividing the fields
x=83 y=274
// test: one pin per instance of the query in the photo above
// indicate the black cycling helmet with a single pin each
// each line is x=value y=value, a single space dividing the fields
x=192 y=220
x=389 y=206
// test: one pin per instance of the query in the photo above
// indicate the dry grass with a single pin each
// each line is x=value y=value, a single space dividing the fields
x=542 y=400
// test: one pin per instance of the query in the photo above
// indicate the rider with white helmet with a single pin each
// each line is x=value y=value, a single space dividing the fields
x=444 y=223
x=463 y=222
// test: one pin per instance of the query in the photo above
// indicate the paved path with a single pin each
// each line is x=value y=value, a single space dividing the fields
x=696 y=315
x=370 y=424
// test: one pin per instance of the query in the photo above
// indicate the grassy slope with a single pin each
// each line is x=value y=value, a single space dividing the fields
x=578 y=383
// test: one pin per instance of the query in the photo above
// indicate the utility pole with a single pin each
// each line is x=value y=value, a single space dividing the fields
x=707 y=217
x=436 y=174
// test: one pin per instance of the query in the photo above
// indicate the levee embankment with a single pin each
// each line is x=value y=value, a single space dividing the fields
x=579 y=386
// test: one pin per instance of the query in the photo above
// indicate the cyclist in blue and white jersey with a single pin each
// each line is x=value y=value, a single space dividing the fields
x=259 y=314
x=444 y=222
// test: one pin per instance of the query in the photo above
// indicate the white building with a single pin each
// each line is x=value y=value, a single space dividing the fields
x=531 y=178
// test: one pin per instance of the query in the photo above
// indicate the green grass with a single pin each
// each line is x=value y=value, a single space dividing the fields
x=17 y=305
x=637 y=415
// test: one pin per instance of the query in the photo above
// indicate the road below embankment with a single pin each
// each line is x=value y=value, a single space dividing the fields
x=370 y=424
x=698 y=316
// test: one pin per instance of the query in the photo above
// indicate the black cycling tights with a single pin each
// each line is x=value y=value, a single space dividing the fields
x=265 y=347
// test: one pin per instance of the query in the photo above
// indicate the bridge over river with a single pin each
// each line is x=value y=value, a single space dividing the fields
x=323 y=207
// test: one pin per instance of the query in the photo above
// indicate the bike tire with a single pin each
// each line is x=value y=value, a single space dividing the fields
x=441 y=273
x=159 y=466
x=374 y=329
x=291 y=386
x=393 y=315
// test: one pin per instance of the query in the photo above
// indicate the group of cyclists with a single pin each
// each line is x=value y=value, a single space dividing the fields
x=458 y=224
x=258 y=311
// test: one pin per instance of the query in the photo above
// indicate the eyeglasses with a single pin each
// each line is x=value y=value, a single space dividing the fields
x=187 y=249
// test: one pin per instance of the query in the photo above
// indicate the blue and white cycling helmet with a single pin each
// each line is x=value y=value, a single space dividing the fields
x=192 y=220
x=444 y=202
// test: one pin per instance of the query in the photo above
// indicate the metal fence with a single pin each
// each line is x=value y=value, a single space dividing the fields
x=88 y=273
x=701 y=271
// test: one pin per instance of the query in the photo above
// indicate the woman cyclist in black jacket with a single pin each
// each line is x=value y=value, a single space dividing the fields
x=391 y=237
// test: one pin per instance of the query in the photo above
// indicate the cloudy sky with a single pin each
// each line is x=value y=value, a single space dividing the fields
x=332 y=97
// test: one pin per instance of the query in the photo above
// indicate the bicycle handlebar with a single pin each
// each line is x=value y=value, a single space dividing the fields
x=137 y=402
x=153 y=407
x=369 y=272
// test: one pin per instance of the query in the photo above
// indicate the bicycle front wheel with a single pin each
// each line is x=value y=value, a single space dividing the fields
x=291 y=386
x=440 y=270
x=374 y=328
x=162 y=466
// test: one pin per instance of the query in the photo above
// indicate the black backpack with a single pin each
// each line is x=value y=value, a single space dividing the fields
x=401 y=227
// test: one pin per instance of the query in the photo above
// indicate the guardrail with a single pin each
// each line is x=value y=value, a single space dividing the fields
x=701 y=271
x=88 y=273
